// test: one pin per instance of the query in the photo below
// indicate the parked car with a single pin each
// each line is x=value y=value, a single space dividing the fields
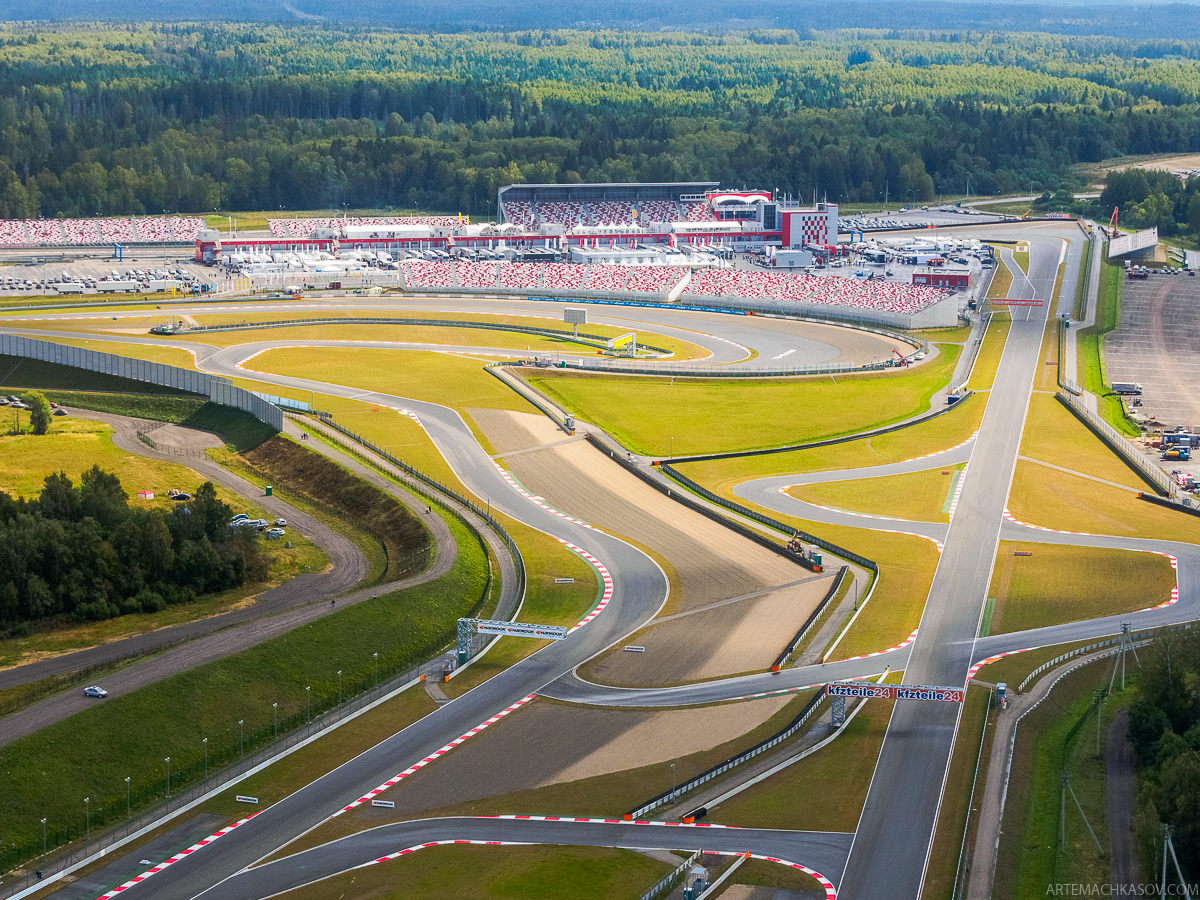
x=240 y=517
x=59 y=411
x=282 y=523
x=95 y=691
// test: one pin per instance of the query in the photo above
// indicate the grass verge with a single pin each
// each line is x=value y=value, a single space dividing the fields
x=1059 y=584
x=1090 y=345
x=1053 y=434
x=1081 y=286
x=686 y=416
x=918 y=496
x=987 y=364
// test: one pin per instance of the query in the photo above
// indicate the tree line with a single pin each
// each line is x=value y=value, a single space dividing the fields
x=84 y=553
x=142 y=119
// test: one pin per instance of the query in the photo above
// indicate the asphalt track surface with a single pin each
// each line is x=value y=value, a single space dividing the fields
x=892 y=842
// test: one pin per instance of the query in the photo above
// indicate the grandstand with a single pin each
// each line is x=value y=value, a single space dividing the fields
x=305 y=228
x=853 y=293
x=599 y=205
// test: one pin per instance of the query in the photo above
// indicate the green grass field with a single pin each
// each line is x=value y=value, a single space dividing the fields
x=932 y=436
x=168 y=356
x=1053 y=434
x=90 y=753
x=983 y=373
x=697 y=416
x=919 y=496
x=1054 y=499
x=1083 y=282
x=1060 y=584
x=1001 y=281
x=17 y=372
x=497 y=873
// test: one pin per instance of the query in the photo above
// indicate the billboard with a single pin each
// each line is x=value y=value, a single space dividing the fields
x=1131 y=243
x=573 y=315
x=625 y=340
x=521 y=629
x=894 y=691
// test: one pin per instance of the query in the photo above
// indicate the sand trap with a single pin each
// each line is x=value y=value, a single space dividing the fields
x=659 y=736
x=510 y=431
x=183 y=438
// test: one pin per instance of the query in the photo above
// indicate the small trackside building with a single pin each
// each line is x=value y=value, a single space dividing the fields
x=947 y=277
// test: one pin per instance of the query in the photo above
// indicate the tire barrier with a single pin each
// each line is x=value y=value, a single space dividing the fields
x=841 y=552
x=759 y=748
x=680 y=497
x=811 y=620
x=218 y=390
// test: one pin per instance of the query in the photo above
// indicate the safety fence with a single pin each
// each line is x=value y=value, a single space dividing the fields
x=218 y=390
x=1139 y=638
x=1142 y=464
x=812 y=619
x=669 y=881
x=434 y=490
x=680 y=497
x=1065 y=383
x=1170 y=504
x=841 y=552
x=762 y=747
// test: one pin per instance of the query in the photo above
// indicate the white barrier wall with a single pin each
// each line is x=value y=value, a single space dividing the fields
x=218 y=390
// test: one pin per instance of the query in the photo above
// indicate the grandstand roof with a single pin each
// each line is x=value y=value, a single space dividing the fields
x=642 y=190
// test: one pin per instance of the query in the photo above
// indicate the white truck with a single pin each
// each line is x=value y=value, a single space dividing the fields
x=69 y=287
x=1126 y=387
x=115 y=286
x=166 y=284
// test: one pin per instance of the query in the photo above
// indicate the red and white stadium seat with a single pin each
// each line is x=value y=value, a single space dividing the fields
x=612 y=212
x=519 y=214
x=520 y=275
x=152 y=230
x=185 y=228
x=80 y=231
x=44 y=231
x=566 y=214
x=878 y=296
x=657 y=211
x=699 y=212
x=476 y=274
x=563 y=276
x=606 y=278
x=423 y=273
x=119 y=231
x=12 y=233
x=653 y=279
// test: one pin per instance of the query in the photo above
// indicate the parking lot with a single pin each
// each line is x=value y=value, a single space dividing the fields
x=20 y=274
x=1157 y=345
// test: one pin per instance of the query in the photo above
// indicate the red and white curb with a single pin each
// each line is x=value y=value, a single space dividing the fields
x=605 y=579
x=605 y=821
x=974 y=670
x=1017 y=521
x=182 y=854
x=416 y=767
x=908 y=640
x=962 y=479
x=414 y=849
x=538 y=501
x=1174 y=598
x=830 y=890
x=940 y=452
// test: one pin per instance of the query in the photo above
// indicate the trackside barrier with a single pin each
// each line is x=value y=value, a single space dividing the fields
x=841 y=552
x=827 y=442
x=1169 y=504
x=669 y=881
x=759 y=748
x=1138 y=637
x=1068 y=385
x=450 y=323
x=1140 y=462
x=426 y=486
x=679 y=496
x=528 y=391
x=218 y=390
x=811 y=620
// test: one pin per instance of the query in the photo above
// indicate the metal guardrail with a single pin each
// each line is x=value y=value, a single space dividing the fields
x=841 y=552
x=759 y=748
x=1067 y=385
x=1138 y=637
x=669 y=881
x=812 y=619
x=1144 y=465
x=430 y=488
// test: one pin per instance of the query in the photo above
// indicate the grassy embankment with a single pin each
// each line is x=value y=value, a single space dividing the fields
x=1001 y=281
x=1059 y=584
x=917 y=496
x=987 y=363
x=686 y=416
x=1090 y=343
x=1029 y=833
x=1084 y=282
x=90 y=753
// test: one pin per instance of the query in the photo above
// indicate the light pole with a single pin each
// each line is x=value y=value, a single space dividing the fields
x=205 y=742
x=672 y=777
x=168 y=778
x=308 y=701
x=87 y=813
x=376 y=655
x=275 y=707
x=43 y=842
x=241 y=739
x=339 y=687
x=128 y=811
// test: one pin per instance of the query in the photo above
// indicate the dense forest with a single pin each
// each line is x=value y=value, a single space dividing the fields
x=100 y=120
x=83 y=552
x=1164 y=728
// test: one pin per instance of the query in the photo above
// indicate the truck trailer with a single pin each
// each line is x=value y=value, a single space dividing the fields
x=1126 y=387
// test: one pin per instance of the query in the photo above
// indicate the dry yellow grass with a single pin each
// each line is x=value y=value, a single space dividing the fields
x=918 y=496
x=1054 y=435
